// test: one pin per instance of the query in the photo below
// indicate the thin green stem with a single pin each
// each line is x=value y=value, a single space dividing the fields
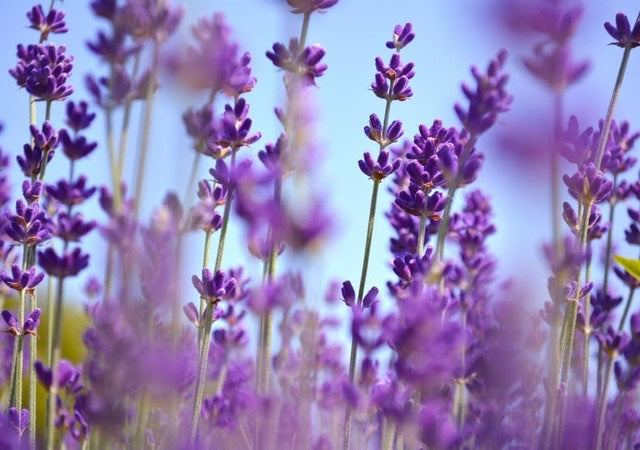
x=388 y=434
x=554 y=173
x=16 y=382
x=203 y=356
x=146 y=131
x=305 y=30
x=55 y=358
x=126 y=119
x=602 y=410
x=607 y=253
x=421 y=233
x=33 y=357
x=627 y=306
x=587 y=333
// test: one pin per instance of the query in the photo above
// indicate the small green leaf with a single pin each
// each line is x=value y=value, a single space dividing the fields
x=630 y=265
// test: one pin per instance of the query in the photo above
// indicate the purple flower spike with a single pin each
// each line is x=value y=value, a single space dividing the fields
x=623 y=34
x=47 y=138
x=43 y=70
x=31 y=322
x=53 y=22
x=378 y=170
x=402 y=36
x=214 y=286
x=374 y=131
x=78 y=116
x=305 y=63
x=12 y=323
x=309 y=6
x=28 y=226
x=235 y=127
x=31 y=162
x=31 y=192
x=67 y=265
x=76 y=148
x=19 y=280
x=588 y=184
x=72 y=228
x=71 y=194
x=20 y=421
x=489 y=99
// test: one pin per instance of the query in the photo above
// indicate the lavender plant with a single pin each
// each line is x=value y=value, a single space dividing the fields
x=440 y=351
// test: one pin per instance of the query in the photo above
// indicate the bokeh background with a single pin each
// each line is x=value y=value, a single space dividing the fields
x=450 y=37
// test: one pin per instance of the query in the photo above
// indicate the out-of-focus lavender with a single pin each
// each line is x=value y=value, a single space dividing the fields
x=201 y=325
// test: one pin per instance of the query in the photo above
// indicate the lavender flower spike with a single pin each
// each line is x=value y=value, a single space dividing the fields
x=378 y=170
x=53 y=22
x=69 y=264
x=623 y=34
x=402 y=36
x=19 y=280
x=214 y=286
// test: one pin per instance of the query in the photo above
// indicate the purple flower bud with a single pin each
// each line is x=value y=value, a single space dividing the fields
x=78 y=116
x=378 y=170
x=76 y=148
x=31 y=322
x=12 y=323
x=43 y=69
x=214 y=287
x=19 y=280
x=53 y=22
x=20 y=421
x=71 y=194
x=31 y=192
x=31 y=162
x=28 y=226
x=191 y=312
x=402 y=36
x=72 y=228
x=305 y=63
x=623 y=34
x=348 y=294
x=69 y=264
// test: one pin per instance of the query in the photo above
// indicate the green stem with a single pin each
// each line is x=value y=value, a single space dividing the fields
x=266 y=319
x=33 y=356
x=203 y=356
x=126 y=119
x=18 y=349
x=421 y=233
x=388 y=434
x=602 y=411
x=627 y=306
x=607 y=254
x=587 y=333
x=146 y=131
x=55 y=358
x=555 y=174
x=205 y=264
x=305 y=29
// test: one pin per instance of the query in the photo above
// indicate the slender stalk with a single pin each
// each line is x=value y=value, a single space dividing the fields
x=421 y=232
x=607 y=253
x=602 y=411
x=460 y=391
x=33 y=356
x=124 y=130
x=554 y=173
x=55 y=358
x=146 y=131
x=16 y=381
x=627 y=306
x=388 y=434
x=363 y=277
x=203 y=354
x=587 y=333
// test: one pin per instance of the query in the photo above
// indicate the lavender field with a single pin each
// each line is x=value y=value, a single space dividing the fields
x=271 y=224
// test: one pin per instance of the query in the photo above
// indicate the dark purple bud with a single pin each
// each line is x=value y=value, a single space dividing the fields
x=31 y=322
x=78 y=116
x=348 y=294
x=69 y=264
x=71 y=194
x=378 y=170
x=31 y=191
x=370 y=297
x=402 y=36
x=72 y=228
x=76 y=148
x=53 y=22
x=19 y=280
x=20 y=421
x=623 y=34
x=28 y=226
x=214 y=287
x=191 y=312
x=12 y=323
